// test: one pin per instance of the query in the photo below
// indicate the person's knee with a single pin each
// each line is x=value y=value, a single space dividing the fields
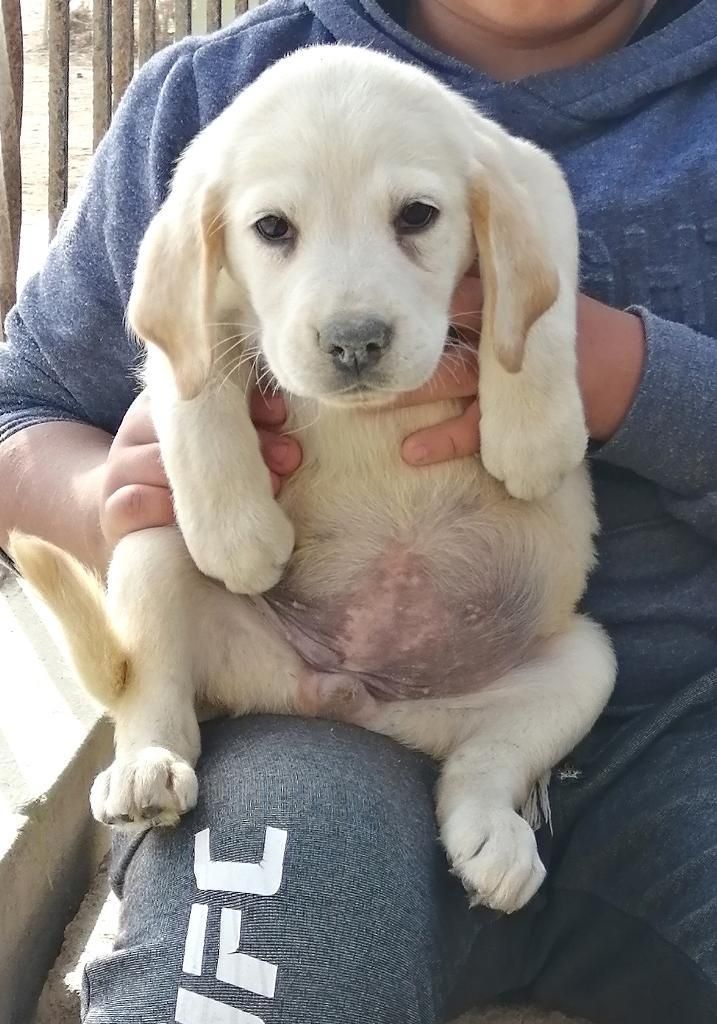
x=308 y=879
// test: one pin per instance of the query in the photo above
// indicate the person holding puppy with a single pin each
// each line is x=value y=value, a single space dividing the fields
x=362 y=920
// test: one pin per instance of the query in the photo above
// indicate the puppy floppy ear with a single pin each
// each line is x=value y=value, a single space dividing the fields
x=519 y=278
x=172 y=303
x=532 y=428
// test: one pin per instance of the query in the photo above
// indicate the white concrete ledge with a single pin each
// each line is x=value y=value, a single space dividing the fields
x=53 y=742
x=90 y=935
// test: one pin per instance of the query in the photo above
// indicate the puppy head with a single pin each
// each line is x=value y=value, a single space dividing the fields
x=335 y=205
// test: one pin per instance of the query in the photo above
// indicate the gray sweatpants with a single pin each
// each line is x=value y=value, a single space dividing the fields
x=309 y=886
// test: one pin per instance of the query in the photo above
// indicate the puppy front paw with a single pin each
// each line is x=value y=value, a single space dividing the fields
x=249 y=552
x=260 y=552
x=532 y=460
x=495 y=855
x=153 y=787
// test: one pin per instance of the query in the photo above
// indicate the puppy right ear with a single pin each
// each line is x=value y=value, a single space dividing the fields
x=172 y=304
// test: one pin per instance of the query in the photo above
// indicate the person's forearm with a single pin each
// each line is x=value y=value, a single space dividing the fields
x=50 y=485
x=649 y=391
x=611 y=355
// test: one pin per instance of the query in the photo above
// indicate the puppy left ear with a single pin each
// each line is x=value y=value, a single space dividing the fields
x=519 y=278
x=172 y=304
x=532 y=428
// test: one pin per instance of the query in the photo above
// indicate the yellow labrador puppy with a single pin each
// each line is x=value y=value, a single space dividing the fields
x=317 y=228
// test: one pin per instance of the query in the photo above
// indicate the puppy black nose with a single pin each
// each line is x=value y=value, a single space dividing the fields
x=355 y=343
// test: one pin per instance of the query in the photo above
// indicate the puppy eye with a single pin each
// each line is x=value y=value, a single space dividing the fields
x=274 y=228
x=415 y=217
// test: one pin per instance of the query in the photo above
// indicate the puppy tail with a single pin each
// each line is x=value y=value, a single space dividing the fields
x=77 y=598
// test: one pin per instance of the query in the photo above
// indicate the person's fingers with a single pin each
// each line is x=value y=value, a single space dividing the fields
x=140 y=464
x=451 y=439
x=456 y=377
x=267 y=410
x=137 y=426
x=467 y=307
x=282 y=454
x=136 y=507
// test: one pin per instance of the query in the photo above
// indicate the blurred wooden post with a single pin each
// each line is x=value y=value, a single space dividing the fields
x=58 y=55
x=182 y=18
x=214 y=14
x=147 y=29
x=101 y=69
x=11 y=54
x=122 y=48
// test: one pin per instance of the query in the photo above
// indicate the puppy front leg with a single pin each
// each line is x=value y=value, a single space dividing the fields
x=532 y=426
x=521 y=729
x=153 y=591
x=234 y=529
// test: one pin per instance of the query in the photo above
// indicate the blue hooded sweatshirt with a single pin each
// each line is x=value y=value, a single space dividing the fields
x=636 y=133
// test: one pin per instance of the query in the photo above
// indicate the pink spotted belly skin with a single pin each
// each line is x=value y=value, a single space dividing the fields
x=403 y=629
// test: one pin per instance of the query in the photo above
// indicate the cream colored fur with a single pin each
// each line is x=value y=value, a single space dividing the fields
x=336 y=139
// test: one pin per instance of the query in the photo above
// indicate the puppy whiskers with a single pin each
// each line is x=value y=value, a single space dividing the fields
x=245 y=357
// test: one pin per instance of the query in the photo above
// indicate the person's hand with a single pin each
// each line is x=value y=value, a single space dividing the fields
x=456 y=377
x=135 y=491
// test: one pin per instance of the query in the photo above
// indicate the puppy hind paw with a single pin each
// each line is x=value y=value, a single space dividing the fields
x=496 y=857
x=152 y=788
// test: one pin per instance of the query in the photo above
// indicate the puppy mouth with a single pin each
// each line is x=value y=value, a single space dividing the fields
x=360 y=394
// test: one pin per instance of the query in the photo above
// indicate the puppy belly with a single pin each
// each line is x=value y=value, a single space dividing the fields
x=400 y=634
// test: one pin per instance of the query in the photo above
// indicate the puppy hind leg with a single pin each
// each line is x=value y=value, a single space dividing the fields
x=153 y=589
x=523 y=727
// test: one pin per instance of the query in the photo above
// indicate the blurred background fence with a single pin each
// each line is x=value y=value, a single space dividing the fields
x=64 y=66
